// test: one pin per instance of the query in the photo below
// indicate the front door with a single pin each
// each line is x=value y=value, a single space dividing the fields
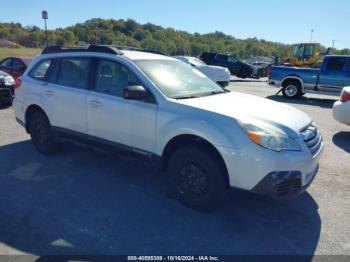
x=126 y=123
x=332 y=75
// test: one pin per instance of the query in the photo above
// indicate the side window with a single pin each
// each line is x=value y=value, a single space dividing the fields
x=112 y=77
x=6 y=62
x=232 y=59
x=221 y=58
x=74 y=72
x=40 y=70
x=17 y=64
x=335 y=64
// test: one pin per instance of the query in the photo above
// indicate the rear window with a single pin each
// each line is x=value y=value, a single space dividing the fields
x=40 y=70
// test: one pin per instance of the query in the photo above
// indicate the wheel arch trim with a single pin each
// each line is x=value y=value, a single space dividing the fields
x=291 y=77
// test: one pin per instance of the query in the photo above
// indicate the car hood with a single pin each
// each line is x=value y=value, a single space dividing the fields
x=242 y=106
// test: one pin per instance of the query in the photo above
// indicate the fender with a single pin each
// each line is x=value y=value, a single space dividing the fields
x=216 y=134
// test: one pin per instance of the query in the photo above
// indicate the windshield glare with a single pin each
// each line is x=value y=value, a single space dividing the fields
x=177 y=79
x=196 y=61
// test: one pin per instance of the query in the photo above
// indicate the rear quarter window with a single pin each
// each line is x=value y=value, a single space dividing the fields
x=40 y=70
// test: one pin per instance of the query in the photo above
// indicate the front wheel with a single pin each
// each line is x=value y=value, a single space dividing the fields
x=197 y=177
x=223 y=84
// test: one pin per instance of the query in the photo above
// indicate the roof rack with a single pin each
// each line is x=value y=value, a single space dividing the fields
x=92 y=48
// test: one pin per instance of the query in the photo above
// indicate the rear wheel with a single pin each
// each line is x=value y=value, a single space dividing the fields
x=197 y=177
x=41 y=133
x=291 y=89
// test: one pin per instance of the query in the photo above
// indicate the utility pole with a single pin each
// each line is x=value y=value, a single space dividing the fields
x=333 y=43
x=45 y=16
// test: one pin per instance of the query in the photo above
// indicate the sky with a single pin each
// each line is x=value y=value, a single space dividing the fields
x=286 y=21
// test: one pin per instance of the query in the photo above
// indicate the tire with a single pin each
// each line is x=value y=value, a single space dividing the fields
x=197 y=178
x=41 y=133
x=223 y=84
x=291 y=89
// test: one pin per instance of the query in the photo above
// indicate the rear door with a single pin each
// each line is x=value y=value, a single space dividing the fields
x=332 y=75
x=224 y=61
x=64 y=95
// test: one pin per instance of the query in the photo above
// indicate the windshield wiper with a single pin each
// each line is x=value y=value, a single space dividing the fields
x=185 y=97
x=200 y=95
x=211 y=93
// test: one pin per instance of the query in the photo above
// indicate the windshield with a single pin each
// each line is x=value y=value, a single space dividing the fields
x=177 y=79
x=309 y=50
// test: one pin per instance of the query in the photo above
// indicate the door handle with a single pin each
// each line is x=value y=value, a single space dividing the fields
x=49 y=93
x=95 y=103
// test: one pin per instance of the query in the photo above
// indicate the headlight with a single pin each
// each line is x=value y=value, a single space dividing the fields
x=271 y=138
x=9 y=81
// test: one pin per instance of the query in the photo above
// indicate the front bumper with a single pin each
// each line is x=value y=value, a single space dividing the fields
x=263 y=171
x=6 y=94
x=284 y=184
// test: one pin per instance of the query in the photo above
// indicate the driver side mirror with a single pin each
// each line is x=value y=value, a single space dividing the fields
x=135 y=92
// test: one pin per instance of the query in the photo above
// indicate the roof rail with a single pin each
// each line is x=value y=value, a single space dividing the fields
x=130 y=48
x=92 y=48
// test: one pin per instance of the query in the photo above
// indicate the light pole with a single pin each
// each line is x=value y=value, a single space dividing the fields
x=45 y=16
x=311 y=34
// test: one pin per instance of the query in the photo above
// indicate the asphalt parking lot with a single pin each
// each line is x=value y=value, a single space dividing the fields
x=83 y=201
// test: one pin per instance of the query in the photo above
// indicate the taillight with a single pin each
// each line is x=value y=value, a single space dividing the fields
x=269 y=72
x=18 y=83
x=345 y=96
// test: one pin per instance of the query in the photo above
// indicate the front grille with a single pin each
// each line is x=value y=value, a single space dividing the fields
x=312 y=138
x=288 y=187
x=1 y=81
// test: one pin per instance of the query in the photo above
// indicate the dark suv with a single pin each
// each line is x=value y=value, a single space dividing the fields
x=235 y=66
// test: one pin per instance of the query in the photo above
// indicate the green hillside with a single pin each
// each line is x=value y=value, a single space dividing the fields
x=150 y=36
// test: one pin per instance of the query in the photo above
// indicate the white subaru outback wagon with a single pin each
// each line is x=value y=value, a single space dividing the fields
x=158 y=109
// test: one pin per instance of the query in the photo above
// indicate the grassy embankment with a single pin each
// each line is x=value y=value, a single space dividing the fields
x=22 y=51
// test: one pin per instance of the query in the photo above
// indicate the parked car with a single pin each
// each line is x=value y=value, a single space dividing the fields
x=260 y=69
x=235 y=66
x=341 y=109
x=158 y=109
x=218 y=74
x=331 y=78
x=7 y=84
x=15 y=66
